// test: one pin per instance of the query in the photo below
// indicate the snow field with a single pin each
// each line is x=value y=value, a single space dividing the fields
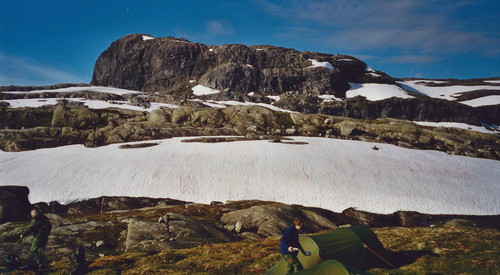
x=483 y=101
x=93 y=104
x=375 y=92
x=450 y=92
x=456 y=125
x=327 y=173
x=100 y=89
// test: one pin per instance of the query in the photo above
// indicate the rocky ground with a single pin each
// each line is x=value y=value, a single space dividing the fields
x=124 y=235
x=69 y=123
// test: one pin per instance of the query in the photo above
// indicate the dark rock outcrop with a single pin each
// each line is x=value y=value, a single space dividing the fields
x=173 y=231
x=172 y=65
x=411 y=219
x=272 y=219
x=106 y=204
x=414 y=109
x=14 y=203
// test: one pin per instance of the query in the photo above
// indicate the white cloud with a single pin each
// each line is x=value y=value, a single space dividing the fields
x=23 y=71
x=216 y=28
x=425 y=27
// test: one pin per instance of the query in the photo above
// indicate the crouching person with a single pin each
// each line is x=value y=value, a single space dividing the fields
x=290 y=246
x=40 y=226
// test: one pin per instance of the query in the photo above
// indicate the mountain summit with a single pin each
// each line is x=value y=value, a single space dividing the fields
x=141 y=62
x=306 y=82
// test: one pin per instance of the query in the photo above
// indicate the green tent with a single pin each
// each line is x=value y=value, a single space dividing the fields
x=355 y=246
x=330 y=267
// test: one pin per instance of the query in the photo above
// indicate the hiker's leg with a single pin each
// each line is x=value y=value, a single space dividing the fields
x=38 y=249
x=297 y=266
x=34 y=247
x=289 y=263
x=40 y=258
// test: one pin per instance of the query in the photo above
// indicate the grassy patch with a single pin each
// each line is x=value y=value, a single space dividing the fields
x=438 y=250
x=455 y=250
x=284 y=119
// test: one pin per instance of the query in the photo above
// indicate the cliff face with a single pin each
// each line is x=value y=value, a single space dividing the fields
x=173 y=66
x=170 y=64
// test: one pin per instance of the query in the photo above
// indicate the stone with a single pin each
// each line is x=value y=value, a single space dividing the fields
x=173 y=231
x=158 y=116
x=14 y=203
x=272 y=219
x=291 y=131
x=145 y=236
x=108 y=204
x=238 y=226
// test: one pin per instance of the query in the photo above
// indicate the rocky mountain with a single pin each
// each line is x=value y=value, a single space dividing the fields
x=171 y=64
x=301 y=80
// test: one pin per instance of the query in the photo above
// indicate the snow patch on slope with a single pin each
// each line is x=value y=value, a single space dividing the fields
x=444 y=92
x=456 y=125
x=99 y=89
x=225 y=104
x=316 y=63
x=483 y=101
x=329 y=98
x=92 y=104
x=202 y=90
x=328 y=173
x=375 y=92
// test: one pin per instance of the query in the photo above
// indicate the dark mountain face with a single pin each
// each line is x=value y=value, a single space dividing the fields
x=173 y=66
x=170 y=64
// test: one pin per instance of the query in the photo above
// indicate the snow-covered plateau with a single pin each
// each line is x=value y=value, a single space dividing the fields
x=328 y=173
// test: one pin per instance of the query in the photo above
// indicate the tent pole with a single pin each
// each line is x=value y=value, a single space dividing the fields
x=387 y=262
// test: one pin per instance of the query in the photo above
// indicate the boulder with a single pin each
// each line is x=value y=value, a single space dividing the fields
x=106 y=204
x=77 y=116
x=146 y=236
x=371 y=219
x=66 y=235
x=172 y=231
x=158 y=116
x=14 y=203
x=256 y=117
x=10 y=231
x=272 y=219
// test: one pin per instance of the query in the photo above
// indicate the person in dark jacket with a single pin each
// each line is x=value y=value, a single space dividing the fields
x=40 y=226
x=290 y=246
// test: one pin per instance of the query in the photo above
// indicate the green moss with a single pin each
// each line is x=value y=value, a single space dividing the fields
x=283 y=119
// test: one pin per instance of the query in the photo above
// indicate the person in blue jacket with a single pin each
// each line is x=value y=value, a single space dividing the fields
x=290 y=246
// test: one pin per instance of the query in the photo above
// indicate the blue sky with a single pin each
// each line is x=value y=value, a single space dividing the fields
x=45 y=42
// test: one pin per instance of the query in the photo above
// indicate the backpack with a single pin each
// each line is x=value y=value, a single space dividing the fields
x=46 y=226
x=78 y=264
x=11 y=262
